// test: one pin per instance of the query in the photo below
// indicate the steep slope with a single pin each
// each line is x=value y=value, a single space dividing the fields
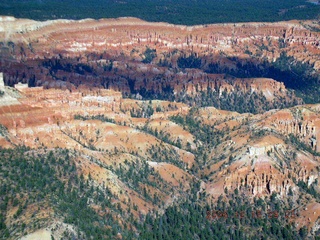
x=150 y=155
x=116 y=128
x=208 y=65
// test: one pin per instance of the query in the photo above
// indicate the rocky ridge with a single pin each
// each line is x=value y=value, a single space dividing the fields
x=168 y=61
x=258 y=156
x=90 y=86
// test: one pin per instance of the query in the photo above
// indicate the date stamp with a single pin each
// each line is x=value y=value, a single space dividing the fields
x=257 y=214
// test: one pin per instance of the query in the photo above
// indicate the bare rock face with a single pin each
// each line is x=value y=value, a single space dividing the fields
x=261 y=156
x=254 y=156
x=46 y=117
x=1 y=81
x=300 y=122
x=71 y=81
x=114 y=54
x=6 y=95
x=129 y=36
x=97 y=123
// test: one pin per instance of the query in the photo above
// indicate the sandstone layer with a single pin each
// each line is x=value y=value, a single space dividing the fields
x=255 y=154
x=126 y=94
x=133 y=56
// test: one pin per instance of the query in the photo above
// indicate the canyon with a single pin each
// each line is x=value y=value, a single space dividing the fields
x=100 y=126
x=124 y=94
x=167 y=61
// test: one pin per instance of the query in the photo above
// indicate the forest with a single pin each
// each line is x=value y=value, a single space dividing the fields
x=50 y=179
x=186 y=12
x=29 y=178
